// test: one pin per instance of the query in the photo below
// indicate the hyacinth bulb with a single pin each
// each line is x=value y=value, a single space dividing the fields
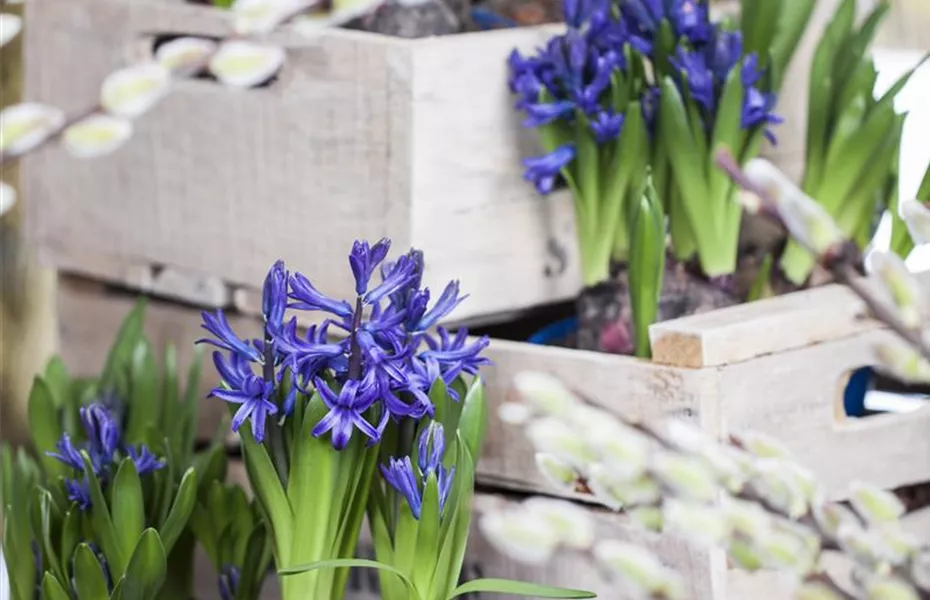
x=545 y=393
x=10 y=26
x=916 y=216
x=132 y=91
x=25 y=126
x=806 y=220
x=184 y=54
x=7 y=198
x=96 y=135
x=246 y=64
x=900 y=285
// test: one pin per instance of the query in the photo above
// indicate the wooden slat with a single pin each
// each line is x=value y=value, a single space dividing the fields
x=746 y=331
x=633 y=388
x=797 y=396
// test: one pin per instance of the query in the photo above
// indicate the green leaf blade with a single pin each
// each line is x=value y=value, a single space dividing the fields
x=128 y=512
x=89 y=580
x=147 y=570
x=181 y=509
x=518 y=588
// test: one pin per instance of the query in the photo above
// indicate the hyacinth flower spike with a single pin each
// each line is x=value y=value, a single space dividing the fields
x=312 y=408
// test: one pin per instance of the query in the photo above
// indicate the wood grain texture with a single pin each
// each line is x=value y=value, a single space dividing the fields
x=797 y=396
x=362 y=136
x=770 y=326
x=629 y=387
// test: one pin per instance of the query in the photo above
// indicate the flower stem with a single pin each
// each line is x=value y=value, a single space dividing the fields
x=355 y=353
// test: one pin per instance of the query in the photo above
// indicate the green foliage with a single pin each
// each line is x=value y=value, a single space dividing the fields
x=422 y=558
x=231 y=531
x=853 y=138
x=647 y=264
x=134 y=523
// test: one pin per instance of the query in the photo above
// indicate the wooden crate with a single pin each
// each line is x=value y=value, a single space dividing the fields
x=778 y=366
x=362 y=136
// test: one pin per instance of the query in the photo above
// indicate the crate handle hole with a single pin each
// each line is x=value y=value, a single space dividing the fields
x=865 y=393
x=153 y=41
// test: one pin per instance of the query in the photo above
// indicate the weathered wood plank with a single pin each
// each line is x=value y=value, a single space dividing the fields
x=797 y=396
x=770 y=326
x=633 y=388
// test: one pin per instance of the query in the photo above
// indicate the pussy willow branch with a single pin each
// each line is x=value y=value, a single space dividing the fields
x=839 y=261
x=181 y=73
x=827 y=542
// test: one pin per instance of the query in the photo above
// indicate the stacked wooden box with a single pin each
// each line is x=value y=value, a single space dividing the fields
x=364 y=136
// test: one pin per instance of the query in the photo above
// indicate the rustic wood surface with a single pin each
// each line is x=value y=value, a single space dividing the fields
x=634 y=388
x=739 y=333
x=798 y=397
x=361 y=136
x=908 y=26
